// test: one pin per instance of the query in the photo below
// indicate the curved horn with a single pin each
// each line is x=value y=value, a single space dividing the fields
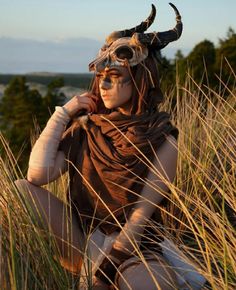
x=143 y=26
x=159 y=40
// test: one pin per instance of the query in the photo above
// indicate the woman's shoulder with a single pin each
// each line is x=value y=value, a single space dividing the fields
x=165 y=161
x=168 y=149
x=170 y=142
x=170 y=139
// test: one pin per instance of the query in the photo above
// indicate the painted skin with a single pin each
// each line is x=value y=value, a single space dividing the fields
x=116 y=88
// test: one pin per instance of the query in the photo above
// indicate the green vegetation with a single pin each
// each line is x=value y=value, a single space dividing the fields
x=76 y=80
x=205 y=63
x=22 y=110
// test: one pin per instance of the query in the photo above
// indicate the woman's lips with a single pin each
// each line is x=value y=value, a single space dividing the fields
x=104 y=97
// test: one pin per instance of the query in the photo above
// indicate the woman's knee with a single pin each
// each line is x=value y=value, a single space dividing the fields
x=24 y=189
x=27 y=191
x=50 y=214
x=23 y=185
x=34 y=201
x=136 y=275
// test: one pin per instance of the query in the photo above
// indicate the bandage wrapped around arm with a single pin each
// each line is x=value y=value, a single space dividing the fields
x=46 y=163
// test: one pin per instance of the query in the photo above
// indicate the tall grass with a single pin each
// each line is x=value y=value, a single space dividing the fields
x=200 y=216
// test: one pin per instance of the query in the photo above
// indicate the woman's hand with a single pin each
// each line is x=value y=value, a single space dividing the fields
x=108 y=268
x=99 y=285
x=86 y=101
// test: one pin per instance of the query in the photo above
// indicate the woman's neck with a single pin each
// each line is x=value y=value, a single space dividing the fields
x=125 y=108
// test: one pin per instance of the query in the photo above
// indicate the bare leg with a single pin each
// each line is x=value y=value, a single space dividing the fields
x=157 y=274
x=52 y=214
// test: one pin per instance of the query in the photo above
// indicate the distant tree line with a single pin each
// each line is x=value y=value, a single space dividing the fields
x=206 y=64
x=79 y=80
x=23 y=110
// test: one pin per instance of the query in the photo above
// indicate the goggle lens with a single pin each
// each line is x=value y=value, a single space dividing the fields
x=124 y=52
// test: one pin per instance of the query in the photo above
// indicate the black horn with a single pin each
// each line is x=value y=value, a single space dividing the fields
x=159 y=40
x=143 y=26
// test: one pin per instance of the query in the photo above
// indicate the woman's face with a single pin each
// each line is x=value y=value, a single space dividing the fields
x=116 y=86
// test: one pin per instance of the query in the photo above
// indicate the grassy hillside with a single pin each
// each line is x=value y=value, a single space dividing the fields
x=200 y=216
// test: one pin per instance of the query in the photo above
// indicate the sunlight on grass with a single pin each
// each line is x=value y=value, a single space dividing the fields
x=199 y=216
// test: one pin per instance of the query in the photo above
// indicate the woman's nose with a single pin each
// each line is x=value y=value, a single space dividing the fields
x=105 y=84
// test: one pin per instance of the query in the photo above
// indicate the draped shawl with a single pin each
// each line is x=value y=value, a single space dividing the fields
x=107 y=166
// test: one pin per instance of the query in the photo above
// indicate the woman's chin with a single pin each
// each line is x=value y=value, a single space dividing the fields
x=109 y=106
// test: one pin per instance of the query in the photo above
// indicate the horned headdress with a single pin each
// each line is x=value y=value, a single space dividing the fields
x=132 y=46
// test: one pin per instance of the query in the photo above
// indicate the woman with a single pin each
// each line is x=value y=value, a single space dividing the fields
x=121 y=155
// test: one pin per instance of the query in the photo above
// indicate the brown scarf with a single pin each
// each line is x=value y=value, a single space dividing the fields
x=108 y=165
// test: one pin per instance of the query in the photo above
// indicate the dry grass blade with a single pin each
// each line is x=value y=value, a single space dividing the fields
x=199 y=216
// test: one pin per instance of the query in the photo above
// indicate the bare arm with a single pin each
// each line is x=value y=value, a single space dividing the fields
x=46 y=162
x=164 y=173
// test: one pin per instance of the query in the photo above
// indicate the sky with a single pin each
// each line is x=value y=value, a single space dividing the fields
x=45 y=34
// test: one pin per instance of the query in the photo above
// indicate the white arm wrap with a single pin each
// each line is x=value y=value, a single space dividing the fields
x=44 y=151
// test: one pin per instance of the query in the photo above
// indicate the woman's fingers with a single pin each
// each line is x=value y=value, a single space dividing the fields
x=92 y=98
x=86 y=101
x=99 y=285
